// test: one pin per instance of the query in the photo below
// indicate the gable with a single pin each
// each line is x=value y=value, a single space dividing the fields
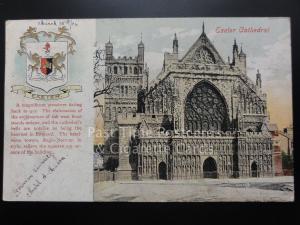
x=144 y=125
x=203 y=51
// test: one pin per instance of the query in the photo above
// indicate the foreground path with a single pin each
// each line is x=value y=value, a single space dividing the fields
x=206 y=190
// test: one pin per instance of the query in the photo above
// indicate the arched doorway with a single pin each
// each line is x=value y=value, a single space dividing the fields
x=162 y=170
x=205 y=109
x=254 y=172
x=210 y=168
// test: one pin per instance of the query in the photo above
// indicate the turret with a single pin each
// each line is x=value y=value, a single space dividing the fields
x=175 y=45
x=235 y=53
x=141 y=49
x=171 y=57
x=108 y=50
x=258 y=80
x=242 y=61
x=238 y=58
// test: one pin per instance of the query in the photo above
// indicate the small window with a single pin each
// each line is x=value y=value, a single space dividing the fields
x=125 y=70
x=113 y=113
x=107 y=113
x=122 y=90
x=130 y=91
x=135 y=70
x=115 y=70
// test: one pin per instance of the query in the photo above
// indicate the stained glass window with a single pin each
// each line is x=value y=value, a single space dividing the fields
x=205 y=109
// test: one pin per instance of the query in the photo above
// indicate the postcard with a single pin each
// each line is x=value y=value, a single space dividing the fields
x=148 y=110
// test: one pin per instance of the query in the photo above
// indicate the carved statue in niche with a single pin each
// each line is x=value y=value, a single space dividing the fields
x=141 y=101
x=203 y=55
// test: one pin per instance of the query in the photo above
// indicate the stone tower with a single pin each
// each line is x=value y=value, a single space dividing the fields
x=127 y=75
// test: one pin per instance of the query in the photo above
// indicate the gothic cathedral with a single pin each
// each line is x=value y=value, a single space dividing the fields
x=202 y=118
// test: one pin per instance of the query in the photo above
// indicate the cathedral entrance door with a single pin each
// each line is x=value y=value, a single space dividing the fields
x=162 y=170
x=254 y=169
x=210 y=168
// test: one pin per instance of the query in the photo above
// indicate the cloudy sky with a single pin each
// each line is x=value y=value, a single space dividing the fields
x=270 y=52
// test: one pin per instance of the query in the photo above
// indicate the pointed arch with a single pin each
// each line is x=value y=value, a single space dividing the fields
x=206 y=107
x=210 y=169
x=254 y=169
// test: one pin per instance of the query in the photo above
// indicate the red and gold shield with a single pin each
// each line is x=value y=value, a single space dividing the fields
x=46 y=66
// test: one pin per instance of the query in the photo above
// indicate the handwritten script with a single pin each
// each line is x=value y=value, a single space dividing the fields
x=67 y=22
x=40 y=173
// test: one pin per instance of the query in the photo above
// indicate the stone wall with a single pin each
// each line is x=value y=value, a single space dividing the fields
x=185 y=155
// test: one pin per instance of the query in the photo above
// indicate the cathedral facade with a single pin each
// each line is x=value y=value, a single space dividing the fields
x=203 y=117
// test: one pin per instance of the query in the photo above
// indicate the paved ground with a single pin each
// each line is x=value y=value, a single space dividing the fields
x=275 y=189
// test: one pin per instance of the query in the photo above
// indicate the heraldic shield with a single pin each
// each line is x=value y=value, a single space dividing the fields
x=47 y=64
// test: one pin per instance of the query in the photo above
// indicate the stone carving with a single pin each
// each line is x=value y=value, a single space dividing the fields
x=203 y=55
x=205 y=109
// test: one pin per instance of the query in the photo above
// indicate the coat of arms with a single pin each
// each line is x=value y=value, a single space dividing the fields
x=47 y=59
x=47 y=64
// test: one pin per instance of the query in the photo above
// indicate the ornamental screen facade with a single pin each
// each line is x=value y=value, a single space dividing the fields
x=202 y=118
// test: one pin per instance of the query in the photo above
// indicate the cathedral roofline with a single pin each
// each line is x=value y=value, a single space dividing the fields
x=203 y=40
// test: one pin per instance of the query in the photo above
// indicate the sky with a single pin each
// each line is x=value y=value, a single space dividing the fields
x=270 y=52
